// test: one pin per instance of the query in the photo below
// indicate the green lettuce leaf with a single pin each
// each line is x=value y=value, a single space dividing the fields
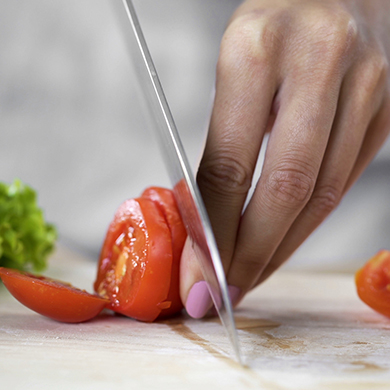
x=26 y=240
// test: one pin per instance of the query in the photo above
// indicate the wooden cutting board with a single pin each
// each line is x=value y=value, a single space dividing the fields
x=297 y=331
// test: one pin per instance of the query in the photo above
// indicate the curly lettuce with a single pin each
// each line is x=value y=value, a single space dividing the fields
x=26 y=239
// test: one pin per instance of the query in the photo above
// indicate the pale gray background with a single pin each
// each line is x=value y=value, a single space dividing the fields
x=71 y=123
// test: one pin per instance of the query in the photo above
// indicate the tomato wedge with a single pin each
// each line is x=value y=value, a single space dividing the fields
x=165 y=200
x=52 y=298
x=135 y=263
x=373 y=282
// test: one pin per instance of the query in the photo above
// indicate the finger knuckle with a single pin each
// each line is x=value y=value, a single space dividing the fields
x=336 y=30
x=290 y=186
x=250 y=41
x=333 y=34
x=373 y=74
x=224 y=174
x=376 y=69
x=325 y=199
x=342 y=35
x=237 y=50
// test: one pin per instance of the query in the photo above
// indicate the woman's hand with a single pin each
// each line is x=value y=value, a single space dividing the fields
x=315 y=75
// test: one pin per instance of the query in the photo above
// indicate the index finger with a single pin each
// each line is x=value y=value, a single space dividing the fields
x=245 y=88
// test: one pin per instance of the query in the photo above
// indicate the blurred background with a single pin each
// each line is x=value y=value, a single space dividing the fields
x=72 y=124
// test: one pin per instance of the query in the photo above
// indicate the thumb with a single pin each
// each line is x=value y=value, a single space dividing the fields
x=194 y=292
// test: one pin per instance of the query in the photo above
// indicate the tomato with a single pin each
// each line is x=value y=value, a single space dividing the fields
x=135 y=264
x=52 y=298
x=165 y=200
x=138 y=271
x=373 y=282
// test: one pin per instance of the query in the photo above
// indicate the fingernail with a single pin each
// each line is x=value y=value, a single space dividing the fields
x=234 y=293
x=199 y=300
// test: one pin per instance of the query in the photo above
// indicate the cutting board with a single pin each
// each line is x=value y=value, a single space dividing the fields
x=297 y=331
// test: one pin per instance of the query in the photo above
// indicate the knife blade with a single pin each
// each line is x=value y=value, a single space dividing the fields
x=186 y=191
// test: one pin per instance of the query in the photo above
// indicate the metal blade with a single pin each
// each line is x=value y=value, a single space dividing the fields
x=186 y=191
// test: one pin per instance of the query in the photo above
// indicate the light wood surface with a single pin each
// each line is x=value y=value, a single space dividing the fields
x=297 y=331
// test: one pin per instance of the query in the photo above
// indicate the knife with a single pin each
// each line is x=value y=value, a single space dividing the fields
x=186 y=191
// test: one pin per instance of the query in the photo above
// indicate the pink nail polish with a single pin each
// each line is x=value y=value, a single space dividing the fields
x=198 y=300
x=234 y=293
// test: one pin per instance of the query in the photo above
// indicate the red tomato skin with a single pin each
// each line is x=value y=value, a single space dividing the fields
x=165 y=200
x=52 y=298
x=373 y=282
x=135 y=263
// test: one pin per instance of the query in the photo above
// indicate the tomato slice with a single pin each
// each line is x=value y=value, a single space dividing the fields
x=135 y=263
x=52 y=298
x=373 y=282
x=165 y=200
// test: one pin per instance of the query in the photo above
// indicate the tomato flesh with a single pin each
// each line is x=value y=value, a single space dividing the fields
x=135 y=264
x=52 y=298
x=373 y=282
x=165 y=200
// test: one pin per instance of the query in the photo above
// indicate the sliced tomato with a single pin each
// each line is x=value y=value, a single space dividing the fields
x=52 y=298
x=165 y=200
x=373 y=282
x=135 y=263
x=138 y=272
